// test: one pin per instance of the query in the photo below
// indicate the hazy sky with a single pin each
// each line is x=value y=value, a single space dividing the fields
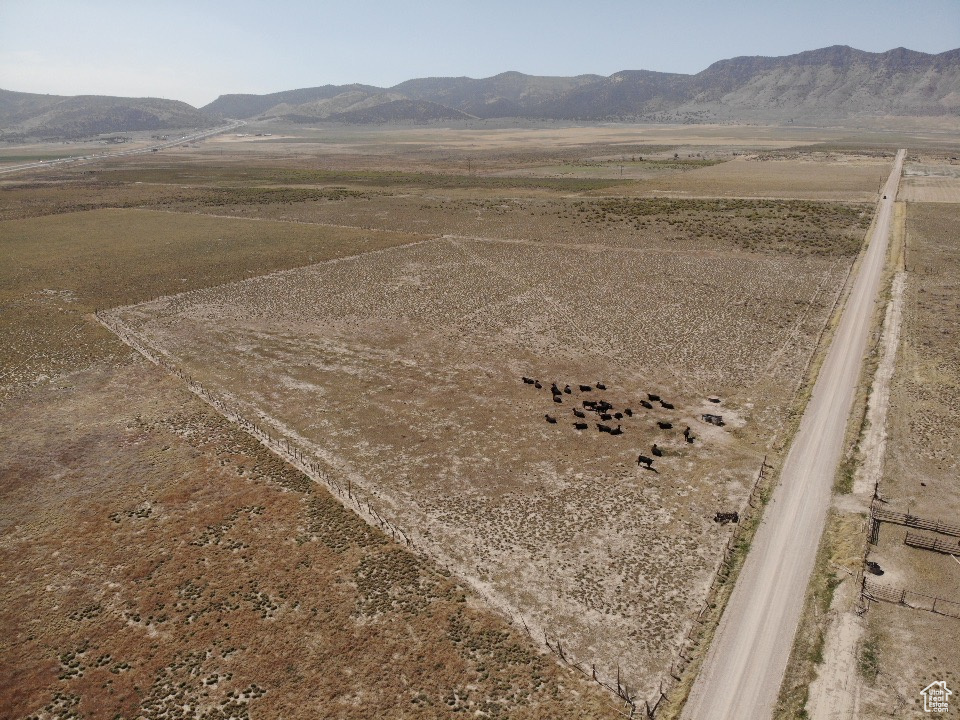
x=194 y=51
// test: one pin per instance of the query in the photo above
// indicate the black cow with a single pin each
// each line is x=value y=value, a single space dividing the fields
x=664 y=404
x=580 y=426
x=590 y=404
x=713 y=399
x=601 y=386
x=645 y=460
x=664 y=425
x=579 y=413
x=653 y=398
x=558 y=398
x=724 y=517
x=618 y=416
x=647 y=405
x=616 y=431
x=567 y=390
x=528 y=381
x=628 y=412
x=606 y=416
x=603 y=428
x=585 y=388
x=551 y=419
x=656 y=450
x=554 y=389
x=713 y=419
x=537 y=385
x=603 y=406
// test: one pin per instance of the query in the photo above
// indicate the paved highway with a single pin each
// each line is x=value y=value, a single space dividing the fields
x=744 y=667
x=87 y=159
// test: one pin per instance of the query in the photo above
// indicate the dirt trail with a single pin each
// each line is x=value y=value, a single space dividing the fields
x=744 y=667
x=874 y=441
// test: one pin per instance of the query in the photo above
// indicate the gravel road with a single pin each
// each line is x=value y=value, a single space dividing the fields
x=744 y=667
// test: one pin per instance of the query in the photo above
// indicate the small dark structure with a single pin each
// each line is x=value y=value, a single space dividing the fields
x=687 y=435
x=724 y=517
x=713 y=419
x=551 y=419
x=874 y=568
x=657 y=452
x=644 y=460
x=580 y=426
x=713 y=399
x=585 y=388
x=664 y=425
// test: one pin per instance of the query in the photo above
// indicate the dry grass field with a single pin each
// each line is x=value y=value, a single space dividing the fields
x=401 y=370
x=905 y=649
x=61 y=268
x=375 y=298
x=157 y=562
x=931 y=181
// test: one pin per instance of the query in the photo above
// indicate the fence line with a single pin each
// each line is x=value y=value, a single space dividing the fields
x=350 y=498
x=919 y=601
x=879 y=514
x=926 y=542
x=692 y=639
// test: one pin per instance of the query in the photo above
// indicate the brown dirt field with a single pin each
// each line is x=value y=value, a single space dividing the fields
x=63 y=267
x=437 y=429
x=921 y=473
x=792 y=227
x=157 y=562
x=833 y=178
x=154 y=527
x=931 y=181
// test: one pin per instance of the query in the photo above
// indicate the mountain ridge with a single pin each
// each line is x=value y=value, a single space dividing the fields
x=831 y=84
x=827 y=83
x=31 y=115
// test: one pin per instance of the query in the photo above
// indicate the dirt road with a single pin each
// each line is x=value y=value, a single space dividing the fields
x=744 y=667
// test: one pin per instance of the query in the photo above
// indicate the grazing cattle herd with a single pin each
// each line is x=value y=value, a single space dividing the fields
x=606 y=412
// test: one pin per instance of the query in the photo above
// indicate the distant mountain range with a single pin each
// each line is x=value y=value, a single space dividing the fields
x=27 y=115
x=827 y=85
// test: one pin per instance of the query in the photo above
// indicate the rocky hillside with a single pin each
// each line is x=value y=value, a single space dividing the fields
x=819 y=85
x=831 y=85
